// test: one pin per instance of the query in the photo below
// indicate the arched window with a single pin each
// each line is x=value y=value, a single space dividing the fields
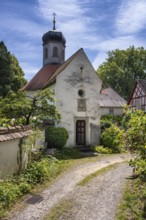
x=46 y=53
x=55 y=52
x=63 y=54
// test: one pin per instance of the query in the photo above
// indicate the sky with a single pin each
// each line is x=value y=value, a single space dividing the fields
x=97 y=26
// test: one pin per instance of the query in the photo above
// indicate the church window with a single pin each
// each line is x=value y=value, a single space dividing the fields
x=46 y=53
x=81 y=93
x=63 y=54
x=111 y=111
x=55 y=52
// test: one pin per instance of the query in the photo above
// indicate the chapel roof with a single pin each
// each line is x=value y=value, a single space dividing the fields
x=110 y=98
x=55 y=36
x=47 y=75
x=60 y=69
x=42 y=76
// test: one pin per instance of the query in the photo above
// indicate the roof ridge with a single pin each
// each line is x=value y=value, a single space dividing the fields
x=44 y=73
x=61 y=68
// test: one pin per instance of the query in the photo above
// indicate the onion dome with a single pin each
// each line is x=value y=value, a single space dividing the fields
x=54 y=36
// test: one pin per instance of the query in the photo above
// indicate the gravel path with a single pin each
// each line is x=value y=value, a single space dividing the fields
x=98 y=199
x=65 y=185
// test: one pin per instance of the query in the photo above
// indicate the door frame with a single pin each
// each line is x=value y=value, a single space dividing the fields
x=81 y=130
x=86 y=119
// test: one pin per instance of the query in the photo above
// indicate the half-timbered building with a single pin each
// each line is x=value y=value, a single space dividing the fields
x=138 y=96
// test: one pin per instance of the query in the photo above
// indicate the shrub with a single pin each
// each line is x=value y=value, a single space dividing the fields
x=37 y=172
x=101 y=149
x=9 y=192
x=115 y=119
x=56 y=137
x=113 y=138
x=68 y=153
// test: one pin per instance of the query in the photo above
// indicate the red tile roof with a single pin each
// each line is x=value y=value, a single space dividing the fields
x=61 y=68
x=12 y=133
x=43 y=75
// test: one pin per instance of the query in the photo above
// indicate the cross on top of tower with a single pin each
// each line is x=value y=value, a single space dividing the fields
x=54 y=21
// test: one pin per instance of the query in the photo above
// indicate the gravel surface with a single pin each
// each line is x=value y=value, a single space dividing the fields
x=98 y=199
x=68 y=182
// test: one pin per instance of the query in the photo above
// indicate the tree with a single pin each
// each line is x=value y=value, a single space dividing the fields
x=19 y=108
x=122 y=68
x=11 y=74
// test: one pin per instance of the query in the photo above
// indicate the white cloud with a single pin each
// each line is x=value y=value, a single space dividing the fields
x=16 y=25
x=63 y=8
x=121 y=43
x=100 y=58
x=131 y=16
x=73 y=21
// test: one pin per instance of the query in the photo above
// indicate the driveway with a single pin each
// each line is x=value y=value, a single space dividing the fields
x=96 y=200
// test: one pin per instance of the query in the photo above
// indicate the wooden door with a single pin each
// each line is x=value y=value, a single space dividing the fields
x=81 y=132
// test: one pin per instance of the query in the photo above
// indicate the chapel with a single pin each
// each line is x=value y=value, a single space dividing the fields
x=80 y=95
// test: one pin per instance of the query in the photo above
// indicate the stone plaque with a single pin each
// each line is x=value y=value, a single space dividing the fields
x=81 y=105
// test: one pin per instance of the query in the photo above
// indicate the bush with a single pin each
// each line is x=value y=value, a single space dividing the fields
x=56 y=137
x=9 y=193
x=67 y=153
x=101 y=149
x=113 y=138
x=37 y=172
x=115 y=119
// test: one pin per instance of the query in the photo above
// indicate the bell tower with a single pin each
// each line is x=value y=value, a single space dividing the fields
x=53 y=46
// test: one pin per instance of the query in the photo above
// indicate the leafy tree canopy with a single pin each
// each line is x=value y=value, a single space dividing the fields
x=11 y=74
x=122 y=68
x=17 y=108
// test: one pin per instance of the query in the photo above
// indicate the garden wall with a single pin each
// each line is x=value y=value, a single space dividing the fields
x=11 y=149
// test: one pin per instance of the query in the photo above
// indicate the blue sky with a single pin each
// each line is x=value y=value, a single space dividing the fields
x=98 y=26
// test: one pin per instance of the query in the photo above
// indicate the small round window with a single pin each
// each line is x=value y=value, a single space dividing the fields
x=81 y=93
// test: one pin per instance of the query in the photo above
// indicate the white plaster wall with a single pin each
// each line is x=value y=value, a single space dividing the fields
x=8 y=157
x=67 y=85
x=117 y=111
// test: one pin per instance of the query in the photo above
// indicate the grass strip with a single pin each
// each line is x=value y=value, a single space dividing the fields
x=60 y=210
x=98 y=172
x=133 y=202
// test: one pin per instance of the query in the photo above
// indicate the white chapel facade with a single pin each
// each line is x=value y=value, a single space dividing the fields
x=79 y=95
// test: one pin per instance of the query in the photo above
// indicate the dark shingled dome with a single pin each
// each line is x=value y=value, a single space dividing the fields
x=53 y=36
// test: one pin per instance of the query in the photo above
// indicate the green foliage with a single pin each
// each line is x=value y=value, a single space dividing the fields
x=28 y=110
x=136 y=133
x=11 y=74
x=116 y=119
x=103 y=150
x=135 y=136
x=133 y=204
x=113 y=138
x=139 y=167
x=56 y=137
x=9 y=192
x=36 y=173
x=122 y=68
x=67 y=153
x=107 y=120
